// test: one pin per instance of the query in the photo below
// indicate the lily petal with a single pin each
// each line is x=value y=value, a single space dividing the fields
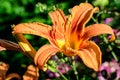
x=85 y=17
x=25 y=45
x=35 y=28
x=32 y=73
x=78 y=22
x=78 y=13
x=56 y=39
x=58 y=19
x=97 y=29
x=91 y=56
x=43 y=54
x=13 y=76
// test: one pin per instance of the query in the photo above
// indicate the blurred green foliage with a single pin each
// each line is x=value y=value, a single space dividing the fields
x=20 y=11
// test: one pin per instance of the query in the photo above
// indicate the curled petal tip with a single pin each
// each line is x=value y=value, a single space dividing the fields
x=44 y=69
x=96 y=69
x=112 y=38
x=96 y=9
x=43 y=55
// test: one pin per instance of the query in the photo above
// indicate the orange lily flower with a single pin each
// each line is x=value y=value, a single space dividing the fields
x=3 y=70
x=68 y=35
x=32 y=73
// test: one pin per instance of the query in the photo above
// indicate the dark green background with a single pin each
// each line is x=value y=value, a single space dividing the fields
x=20 y=11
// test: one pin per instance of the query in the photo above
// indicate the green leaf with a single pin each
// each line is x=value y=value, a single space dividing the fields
x=117 y=3
x=101 y=3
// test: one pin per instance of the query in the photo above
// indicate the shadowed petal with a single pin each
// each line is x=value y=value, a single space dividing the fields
x=3 y=70
x=8 y=45
x=13 y=76
x=36 y=28
x=32 y=73
x=43 y=54
x=97 y=29
x=25 y=45
x=91 y=56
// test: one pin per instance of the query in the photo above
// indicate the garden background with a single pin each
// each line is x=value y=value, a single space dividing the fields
x=13 y=12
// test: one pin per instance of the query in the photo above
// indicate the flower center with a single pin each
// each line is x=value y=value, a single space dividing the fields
x=60 y=43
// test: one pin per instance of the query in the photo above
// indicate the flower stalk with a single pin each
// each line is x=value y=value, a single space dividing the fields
x=74 y=68
x=110 y=48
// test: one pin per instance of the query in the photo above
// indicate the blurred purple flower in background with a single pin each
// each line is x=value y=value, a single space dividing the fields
x=63 y=68
x=108 y=20
x=110 y=68
x=118 y=34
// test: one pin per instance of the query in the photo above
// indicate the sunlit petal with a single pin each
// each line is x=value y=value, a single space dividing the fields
x=97 y=29
x=78 y=13
x=91 y=56
x=58 y=19
x=85 y=17
x=77 y=25
x=43 y=54
x=56 y=39
x=35 y=28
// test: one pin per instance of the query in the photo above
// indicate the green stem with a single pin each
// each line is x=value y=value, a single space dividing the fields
x=86 y=1
x=99 y=14
x=63 y=60
x=112 y=52
x=62 y=75
x=74 y=68
x=110 y=48
x=95 y=20
x=106 y=40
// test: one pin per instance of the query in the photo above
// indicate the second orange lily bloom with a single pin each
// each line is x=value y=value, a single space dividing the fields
x=67 y=35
